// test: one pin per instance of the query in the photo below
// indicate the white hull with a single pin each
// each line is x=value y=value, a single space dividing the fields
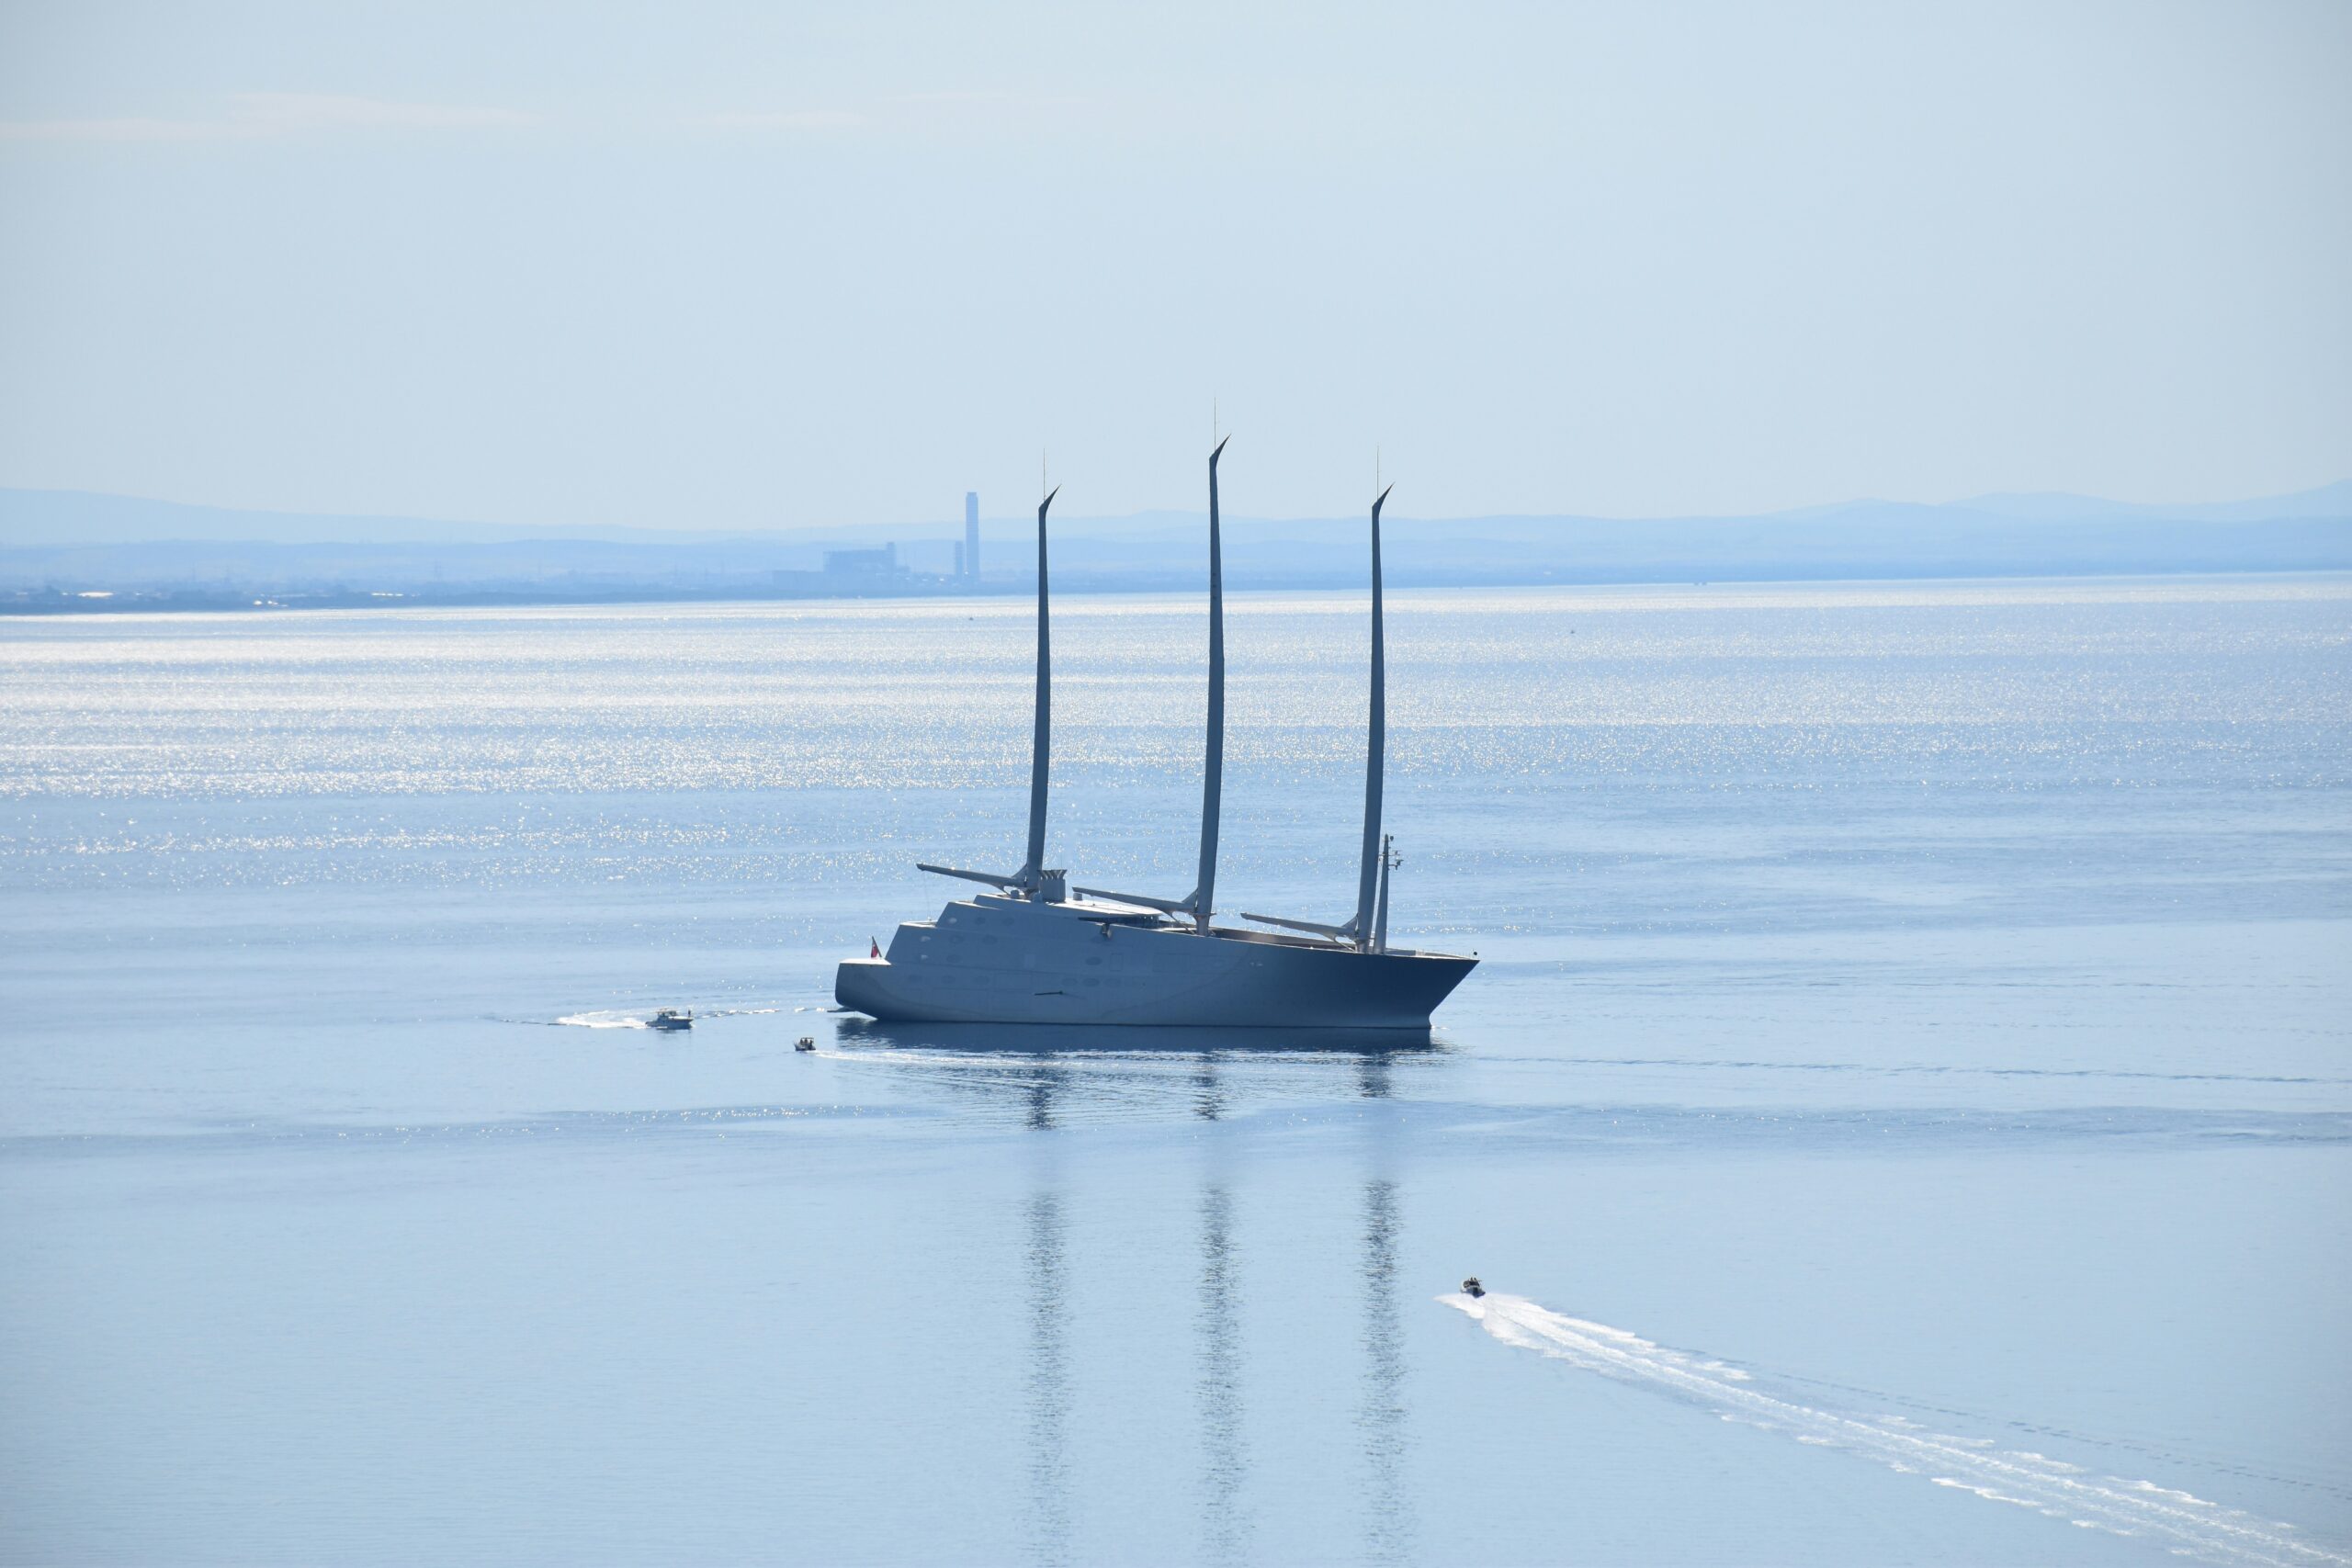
x=994 y=959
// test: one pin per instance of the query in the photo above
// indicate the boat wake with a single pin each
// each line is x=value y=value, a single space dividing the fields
x=2185 y=1526
x=620 y=1018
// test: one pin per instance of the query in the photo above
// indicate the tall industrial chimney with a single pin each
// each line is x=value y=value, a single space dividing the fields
x=972 y=535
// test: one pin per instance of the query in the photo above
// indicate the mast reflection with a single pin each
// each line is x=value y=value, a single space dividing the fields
x=1380 y=1416
x=1208 y=1093
x=1225 y=1460
x=1388 y=1521
x=1049 y=1387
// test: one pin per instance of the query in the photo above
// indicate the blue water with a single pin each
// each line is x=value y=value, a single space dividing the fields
x=1905 y=1111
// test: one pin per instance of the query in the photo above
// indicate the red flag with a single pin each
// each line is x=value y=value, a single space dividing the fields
x=876 y=946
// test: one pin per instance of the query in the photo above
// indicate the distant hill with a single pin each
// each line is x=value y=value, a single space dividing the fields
x=2328 y=500
x=31 y=517
x=68 y=550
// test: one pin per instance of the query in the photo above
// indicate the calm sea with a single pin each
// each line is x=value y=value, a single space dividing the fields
x=1903 y=1113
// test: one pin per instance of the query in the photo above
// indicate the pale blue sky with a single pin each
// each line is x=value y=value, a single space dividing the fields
x=735 y=265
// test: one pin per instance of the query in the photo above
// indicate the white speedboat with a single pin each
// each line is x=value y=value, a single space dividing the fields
x=1037 y=951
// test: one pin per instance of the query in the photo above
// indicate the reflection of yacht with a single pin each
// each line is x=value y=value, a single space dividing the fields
x=1055 y=1075
x=1075 y=1043
x=1036 y=951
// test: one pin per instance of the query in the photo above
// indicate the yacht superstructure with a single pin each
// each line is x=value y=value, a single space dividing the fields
x=1037 y=951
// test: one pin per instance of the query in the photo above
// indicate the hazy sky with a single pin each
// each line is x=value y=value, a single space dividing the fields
x=736 y=266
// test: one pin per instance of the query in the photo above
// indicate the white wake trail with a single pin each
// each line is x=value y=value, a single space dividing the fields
x=2187 y=1526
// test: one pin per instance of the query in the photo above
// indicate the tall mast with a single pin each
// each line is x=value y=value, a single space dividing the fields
x=1032 y=870
x=1374 y=751
x=1204 y=899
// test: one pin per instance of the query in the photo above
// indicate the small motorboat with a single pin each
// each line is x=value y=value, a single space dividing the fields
x=806 y=1043
x=1472 y=1289
x=671 y=1017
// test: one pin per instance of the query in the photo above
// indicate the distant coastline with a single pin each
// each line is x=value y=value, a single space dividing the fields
x=65 y=553
x=186 y=602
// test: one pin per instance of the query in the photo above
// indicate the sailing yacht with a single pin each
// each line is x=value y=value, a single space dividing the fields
x=1036 y=950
